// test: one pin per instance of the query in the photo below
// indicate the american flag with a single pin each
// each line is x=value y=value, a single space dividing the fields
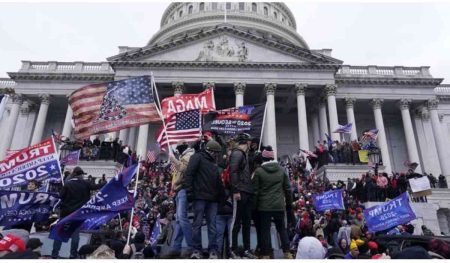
x=113 y=106
x=347 y=128
x=309 y=153
x=180 y=126
x=151 y=157
x=369 y=136
x=58 y=137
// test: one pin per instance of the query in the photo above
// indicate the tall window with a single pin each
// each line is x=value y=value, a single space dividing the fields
x=275 y=15
x=266 y=11
x=190 y=9
x=228 y=5
x=181 y=13
x=214 y=6
x=202 y=7
x=254 y=7
x=241 y=6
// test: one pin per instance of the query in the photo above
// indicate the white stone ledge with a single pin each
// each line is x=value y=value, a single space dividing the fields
x=65 y=67
x=397 y=71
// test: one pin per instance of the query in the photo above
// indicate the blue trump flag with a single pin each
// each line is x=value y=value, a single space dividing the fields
x=389 y=214
x=329 y=200
x=112 y=199
x=19 y=207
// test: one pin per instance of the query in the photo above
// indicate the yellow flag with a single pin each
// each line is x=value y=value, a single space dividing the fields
x=363 y=156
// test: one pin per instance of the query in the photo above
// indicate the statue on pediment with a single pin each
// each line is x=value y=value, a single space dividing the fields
x=242 y=52
x=207 y=53
x=223 y=50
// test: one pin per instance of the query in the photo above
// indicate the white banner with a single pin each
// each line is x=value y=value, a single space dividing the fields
x=419 y=184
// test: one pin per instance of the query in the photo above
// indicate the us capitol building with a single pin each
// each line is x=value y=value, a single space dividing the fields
x=250 y=54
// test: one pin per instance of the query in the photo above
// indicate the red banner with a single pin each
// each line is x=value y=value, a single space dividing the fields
x=203 y=101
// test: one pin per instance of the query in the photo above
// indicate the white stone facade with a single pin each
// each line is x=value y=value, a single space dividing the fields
x=250 y=53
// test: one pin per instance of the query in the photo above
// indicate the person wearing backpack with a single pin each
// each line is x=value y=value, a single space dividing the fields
x=242 y=189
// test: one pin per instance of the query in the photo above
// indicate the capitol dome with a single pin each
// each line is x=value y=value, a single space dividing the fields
x=270 y=20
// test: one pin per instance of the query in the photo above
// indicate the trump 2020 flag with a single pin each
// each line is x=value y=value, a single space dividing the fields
x=38 y=162
x=112 y=199
x=232 y=121
x=389 y=214
x=329 y=200
x=71 y=158
x=347 y=128
x=19 y=207
x=113 y=106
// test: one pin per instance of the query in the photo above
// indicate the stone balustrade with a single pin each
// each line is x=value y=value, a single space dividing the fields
x=442 y=90
x=65 y=67
x=381 y=71
x=7 y=83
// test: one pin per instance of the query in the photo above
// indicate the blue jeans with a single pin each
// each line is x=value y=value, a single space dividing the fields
x=207 y=209
x=73 y=245
x=183 y=227
x=223 y=222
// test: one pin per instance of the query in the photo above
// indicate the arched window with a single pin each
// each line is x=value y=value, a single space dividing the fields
x=202 y=7
x=275 y=15
x=228 y=5
x=254 y=9
x=190 y=9
x=181 y=13
x=266 y=11
x=241 y=6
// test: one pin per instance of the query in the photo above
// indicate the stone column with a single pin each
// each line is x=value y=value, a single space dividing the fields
x=12 y=120
x=382 y=142
x=349 y=104
x=315 y=127
x=438 y=137
x=302 y=121
x=132 y=138
x=427 y=143
x=323 y=119
x=178 y=88
x=270 y=129
x=141 y=148
x=330 y=91
x=67 y=129
x=209 y=85
x=239 y=91
x=42 y=116
x=411 y=145
x=123 y=134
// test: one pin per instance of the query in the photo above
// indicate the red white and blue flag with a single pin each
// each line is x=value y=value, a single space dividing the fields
x=37 y=162
x=113 y=106
x=71 y=158
x=151 y=156
x=184 y=126
x=347 y=128
x=369 y=136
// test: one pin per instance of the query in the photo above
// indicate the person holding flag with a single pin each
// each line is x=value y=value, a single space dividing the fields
x=74 y=194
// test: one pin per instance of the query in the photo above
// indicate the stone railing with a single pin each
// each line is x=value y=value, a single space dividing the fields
x=443 y=90
x=381 y=71
x=65 y=67
x=7 y=83
x=335 y=172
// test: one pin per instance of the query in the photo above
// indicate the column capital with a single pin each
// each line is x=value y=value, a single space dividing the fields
x=45 y=98
x=17 y=98
x=433 y=104
x=208 y=85
x=239 y=88
x=321 y=100
x=178 y=87
x=376 y=103
x=300 y=88
x=404 y=104
x=270 y=88
x=349 y=102
x=330 y=89
x=25 y=108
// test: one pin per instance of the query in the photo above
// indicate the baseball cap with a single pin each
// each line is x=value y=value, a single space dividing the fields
x=34 y=243
x=12 y=244
x=78 y=171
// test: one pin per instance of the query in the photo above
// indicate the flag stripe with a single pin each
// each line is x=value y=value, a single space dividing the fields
x=188 y=130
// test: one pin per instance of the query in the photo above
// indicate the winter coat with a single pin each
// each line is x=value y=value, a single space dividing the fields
x=240 y=172
x=202 y=178
x=180 y=166
x=271 y=187
x=74 y=194
x=310 y=248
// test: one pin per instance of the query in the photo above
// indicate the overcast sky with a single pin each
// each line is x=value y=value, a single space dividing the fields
x=408 y=34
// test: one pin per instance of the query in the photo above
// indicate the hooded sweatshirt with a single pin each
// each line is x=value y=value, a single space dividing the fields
x=271 y=187
x=310 y=248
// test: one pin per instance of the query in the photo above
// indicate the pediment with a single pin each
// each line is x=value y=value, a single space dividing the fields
x=225 y=45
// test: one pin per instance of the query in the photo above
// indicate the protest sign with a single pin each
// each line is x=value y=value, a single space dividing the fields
x=37 y=162
x=112 y=199
x=19 y=207
x=420 y=186
x=233 y=121
x=389 y=214
x=329 y=200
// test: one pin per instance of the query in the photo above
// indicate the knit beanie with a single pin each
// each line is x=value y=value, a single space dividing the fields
x=268 y=154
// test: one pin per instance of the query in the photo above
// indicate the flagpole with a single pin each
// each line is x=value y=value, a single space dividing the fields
x=161 y=115
x=130 y=225
x=58 y=154
x=262 y=127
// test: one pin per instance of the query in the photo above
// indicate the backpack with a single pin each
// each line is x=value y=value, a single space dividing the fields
x=137 y=254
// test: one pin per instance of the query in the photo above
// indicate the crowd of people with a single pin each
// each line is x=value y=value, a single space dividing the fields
x=234 y=185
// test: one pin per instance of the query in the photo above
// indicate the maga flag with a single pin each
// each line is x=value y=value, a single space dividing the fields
x=233 y=121
x=113 y=106
x=112 y=199
x=203 y=101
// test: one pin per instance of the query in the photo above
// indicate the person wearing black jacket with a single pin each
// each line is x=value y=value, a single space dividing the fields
x=74 y=194
x=242 y=189
x=204 y=188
